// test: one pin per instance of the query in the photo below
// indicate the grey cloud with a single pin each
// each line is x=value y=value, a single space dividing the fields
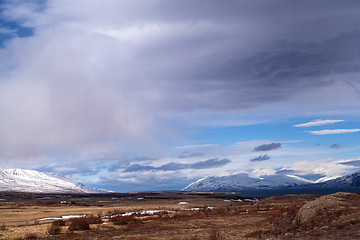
x=77 y=93
x=70 y=167
x=260 y=158
x=138 y=167
x=172 y=166
x=123 y=161
x=355 y=163
x=188 y=154
x=267 y=147
x=286 y=171
x=172 y=181
x=211 y=163
x=335 y=145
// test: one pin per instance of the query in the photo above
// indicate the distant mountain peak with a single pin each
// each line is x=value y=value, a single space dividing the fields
x=243 y=181
x=25 y=180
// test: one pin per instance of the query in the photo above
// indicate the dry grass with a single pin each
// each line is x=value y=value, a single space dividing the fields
x=268 y=219
x=28 y=236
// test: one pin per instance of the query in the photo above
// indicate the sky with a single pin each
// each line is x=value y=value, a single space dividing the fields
x=153 y=95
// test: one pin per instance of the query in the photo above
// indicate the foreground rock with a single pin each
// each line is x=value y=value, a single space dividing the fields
x=323 y=207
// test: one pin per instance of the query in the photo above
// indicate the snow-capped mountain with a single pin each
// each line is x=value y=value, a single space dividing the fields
x=242 y=181
x=351 y=180
x=21 y=180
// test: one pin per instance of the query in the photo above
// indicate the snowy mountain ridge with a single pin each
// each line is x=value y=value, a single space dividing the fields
x=23 y=180
x=242 y=181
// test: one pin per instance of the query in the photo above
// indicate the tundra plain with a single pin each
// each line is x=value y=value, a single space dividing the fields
x=178 y=215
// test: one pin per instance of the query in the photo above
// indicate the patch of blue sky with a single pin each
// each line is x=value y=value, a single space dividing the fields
x=10 y=30
x=13 y=28
x=266 y=131
x=283 y=131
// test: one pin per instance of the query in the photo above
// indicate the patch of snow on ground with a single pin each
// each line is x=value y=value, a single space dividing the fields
x=182 y=203
x=63 y=217
x=144 y=212
x=197 y=209
x=251 y=200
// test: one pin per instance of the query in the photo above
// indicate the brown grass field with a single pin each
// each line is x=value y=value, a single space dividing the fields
x=205 y=216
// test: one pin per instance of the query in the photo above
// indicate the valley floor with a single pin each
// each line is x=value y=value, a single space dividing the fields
x=175 y=215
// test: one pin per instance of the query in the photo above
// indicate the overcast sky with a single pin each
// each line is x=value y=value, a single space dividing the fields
x=152 y=95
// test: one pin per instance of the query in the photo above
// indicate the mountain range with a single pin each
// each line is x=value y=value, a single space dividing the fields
x=21 y=180
x=242 y=181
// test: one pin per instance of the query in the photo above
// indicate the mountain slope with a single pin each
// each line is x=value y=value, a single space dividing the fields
x=242 y=181
x=351 y=180
x=22 y=180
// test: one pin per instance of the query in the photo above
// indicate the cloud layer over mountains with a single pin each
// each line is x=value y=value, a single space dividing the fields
x=97 y=81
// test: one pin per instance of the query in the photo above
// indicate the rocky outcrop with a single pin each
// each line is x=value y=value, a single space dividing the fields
x=324 y=208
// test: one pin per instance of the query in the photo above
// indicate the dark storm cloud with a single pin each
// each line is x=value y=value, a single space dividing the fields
x=335 y=145
x=211 y=163
x=267 y=147
x=128 y=64
x=187 y=154
x=260 y=158
x=355 y=163
x=276 y=71
x=279 y=74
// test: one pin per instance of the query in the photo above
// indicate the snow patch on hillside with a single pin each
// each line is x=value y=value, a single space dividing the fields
x=23 y=180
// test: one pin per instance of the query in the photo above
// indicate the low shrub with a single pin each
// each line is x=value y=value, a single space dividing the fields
x=78 y=224
x=93 y=219
x=123 y=220
x=29 y=236
x=58 y=222
x=54 y=230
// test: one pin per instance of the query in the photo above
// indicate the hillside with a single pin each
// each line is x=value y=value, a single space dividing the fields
x=21 y=180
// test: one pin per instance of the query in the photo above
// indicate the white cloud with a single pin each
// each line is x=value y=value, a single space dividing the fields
x=197 y=146
x=261 y=171
x=318 y=122
x=98 y=78
x=330 y=169
x=333 y=131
